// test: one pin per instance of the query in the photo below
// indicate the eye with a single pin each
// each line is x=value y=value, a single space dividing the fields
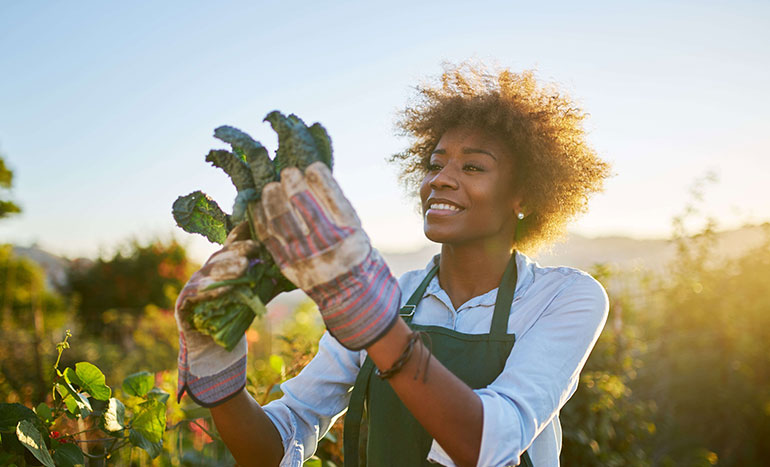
x=473 y=168
x=433 y=167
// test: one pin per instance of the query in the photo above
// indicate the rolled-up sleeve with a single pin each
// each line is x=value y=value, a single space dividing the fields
x=314 y=399
x=540 y=374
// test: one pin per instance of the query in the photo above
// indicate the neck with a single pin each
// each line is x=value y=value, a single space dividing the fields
x=467 y=271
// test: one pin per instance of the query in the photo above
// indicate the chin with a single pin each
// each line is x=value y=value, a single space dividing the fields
x=437 y=236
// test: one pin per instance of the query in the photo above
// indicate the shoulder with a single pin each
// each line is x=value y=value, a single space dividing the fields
x=563 y=288
x=409 y=281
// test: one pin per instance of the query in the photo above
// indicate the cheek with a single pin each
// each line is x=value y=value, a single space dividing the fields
x=497 y=200
x=424 y=192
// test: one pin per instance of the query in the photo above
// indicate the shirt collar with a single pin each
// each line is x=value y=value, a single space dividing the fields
x=525 y=271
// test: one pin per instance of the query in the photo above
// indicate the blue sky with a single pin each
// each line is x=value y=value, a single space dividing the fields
x=107 y=110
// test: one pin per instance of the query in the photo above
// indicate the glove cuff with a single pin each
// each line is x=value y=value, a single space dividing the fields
x=361 y=305
x=210 y=391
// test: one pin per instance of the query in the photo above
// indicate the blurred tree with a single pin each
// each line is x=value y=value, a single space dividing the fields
x=6 y=181
x=30 y=313
x=109 y=291
x=606 y=423
x=709 y=366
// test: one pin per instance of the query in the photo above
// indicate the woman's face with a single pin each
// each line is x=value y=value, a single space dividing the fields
x=467 y=194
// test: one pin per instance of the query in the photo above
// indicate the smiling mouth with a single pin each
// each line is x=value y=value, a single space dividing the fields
x=442 y=208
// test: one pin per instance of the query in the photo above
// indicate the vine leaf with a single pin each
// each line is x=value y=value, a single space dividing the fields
x=91 y=380
x=150 y=422
x=31 y=438
x=159 y=395
x=74 y=401
x=12 y=413
x=153 y=449
x=44 y=413
x=68 y=455
x=138 y=384
x=114 y=416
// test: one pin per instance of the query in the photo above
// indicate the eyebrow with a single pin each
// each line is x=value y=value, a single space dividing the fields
x=467 y=150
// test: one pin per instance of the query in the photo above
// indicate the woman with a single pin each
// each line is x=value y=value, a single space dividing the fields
x=467 y=362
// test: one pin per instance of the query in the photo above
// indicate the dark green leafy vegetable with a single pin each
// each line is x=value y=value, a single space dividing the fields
x=297 y=145
x=198 y=213
x=234 y=166
x=255 y=154
x=323 y=143
x=226 y=318
x=241 y=204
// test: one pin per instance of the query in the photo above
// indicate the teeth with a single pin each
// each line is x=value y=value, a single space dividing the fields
x=446 y=207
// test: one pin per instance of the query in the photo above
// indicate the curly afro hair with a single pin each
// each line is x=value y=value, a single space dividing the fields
x=556 y=169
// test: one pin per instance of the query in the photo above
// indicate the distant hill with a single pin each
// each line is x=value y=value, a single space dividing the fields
x=56 y=268
x=621 y=253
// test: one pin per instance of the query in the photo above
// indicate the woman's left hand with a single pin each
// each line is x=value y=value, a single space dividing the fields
x=315 y=237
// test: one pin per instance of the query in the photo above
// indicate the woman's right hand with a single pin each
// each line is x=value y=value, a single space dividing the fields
x=207 y=372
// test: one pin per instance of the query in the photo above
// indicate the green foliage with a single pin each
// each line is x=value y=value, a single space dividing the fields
x=227 y=317
x=7 y=207
x=78 y=394
x=198 y=213
x=298 y=145
x=708 y=368
x=138 y=384
x=90 y=379
x=606 y=423
x=29 y=436
x=126 y=283
x=234 y=166
x=252 y=152
x=29 y=312
x=68 y=455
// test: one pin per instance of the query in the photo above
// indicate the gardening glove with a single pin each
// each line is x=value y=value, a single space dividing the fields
x=316 y=239
x=207 y=372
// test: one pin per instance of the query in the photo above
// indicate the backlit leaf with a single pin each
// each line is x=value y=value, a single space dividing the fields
x=31 y=438
x=138 y=384
x=92 y=381
x=114 y=416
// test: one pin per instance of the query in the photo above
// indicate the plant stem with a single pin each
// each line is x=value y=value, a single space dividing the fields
x=249 y=207
x=211 y=435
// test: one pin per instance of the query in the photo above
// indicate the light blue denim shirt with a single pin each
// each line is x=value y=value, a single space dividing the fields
x=557 y=315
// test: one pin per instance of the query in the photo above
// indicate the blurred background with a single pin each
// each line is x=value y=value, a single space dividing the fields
x=107 y=113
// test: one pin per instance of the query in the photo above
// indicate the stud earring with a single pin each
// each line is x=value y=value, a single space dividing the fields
x=520 y=215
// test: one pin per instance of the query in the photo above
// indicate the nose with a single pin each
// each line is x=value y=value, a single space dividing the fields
x=444 y=178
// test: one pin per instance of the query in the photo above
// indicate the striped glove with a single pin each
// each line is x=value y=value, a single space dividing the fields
x=207 y=372
x=315 y=237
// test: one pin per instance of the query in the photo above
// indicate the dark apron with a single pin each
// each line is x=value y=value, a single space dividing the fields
x=395 y=437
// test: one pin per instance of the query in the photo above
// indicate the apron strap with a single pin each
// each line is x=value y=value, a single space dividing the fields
x=504 y=300
x=352 y=427
x=407 y=311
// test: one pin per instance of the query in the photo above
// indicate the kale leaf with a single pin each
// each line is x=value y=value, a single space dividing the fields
x=254 y=154
x=298 y=145
x=234 y=166
x=198 y=213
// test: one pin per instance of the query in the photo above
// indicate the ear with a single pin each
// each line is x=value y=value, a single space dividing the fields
x=517 y=204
